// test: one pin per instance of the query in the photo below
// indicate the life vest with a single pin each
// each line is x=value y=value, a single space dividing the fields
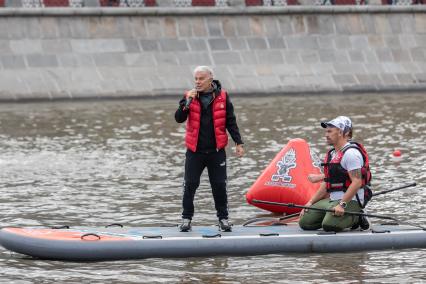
x=337 y=178
x=219 y=122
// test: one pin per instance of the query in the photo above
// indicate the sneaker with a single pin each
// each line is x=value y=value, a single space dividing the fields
x=186 y=225
x=224 y=225
x=364 y=222
x=356 y=225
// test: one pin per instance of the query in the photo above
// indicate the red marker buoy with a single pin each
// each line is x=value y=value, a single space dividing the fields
x=397 y=153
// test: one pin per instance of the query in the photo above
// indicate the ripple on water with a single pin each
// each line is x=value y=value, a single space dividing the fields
x=106 y=162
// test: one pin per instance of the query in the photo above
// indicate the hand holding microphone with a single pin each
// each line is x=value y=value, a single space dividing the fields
x=189 y=97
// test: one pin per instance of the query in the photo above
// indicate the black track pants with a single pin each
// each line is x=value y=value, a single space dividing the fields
x=216 y=167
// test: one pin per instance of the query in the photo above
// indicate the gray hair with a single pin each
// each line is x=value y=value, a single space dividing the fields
x=206 y=69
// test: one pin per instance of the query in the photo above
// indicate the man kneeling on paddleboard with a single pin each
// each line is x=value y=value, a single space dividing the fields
x=345 y=184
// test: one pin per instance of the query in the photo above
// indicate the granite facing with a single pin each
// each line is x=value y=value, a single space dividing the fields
x=59 y=57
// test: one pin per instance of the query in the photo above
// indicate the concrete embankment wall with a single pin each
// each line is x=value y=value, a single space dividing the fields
x=83 y=53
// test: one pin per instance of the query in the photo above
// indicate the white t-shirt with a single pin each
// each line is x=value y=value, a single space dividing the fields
x=352 y=160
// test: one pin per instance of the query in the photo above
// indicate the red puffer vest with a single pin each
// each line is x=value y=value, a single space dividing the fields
x=219 y=121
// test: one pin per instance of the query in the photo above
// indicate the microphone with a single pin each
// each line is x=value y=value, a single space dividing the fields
x=188 y=102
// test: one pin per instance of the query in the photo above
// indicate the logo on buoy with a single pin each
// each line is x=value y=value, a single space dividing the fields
x=316 y=162
x=282 y=176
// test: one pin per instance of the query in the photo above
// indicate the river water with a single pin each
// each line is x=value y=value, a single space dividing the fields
x=100 y=162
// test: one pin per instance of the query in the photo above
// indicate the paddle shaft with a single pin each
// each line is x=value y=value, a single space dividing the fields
x=289 y=216
x=393 y=189
x=291 y=205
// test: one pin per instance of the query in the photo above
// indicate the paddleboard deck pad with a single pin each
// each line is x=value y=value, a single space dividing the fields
x=116 y=243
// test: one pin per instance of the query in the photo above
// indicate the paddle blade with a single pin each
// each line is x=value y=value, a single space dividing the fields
x=285 y=179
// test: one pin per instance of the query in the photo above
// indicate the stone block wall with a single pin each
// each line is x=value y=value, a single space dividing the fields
x=85 y=53
x=195 y=3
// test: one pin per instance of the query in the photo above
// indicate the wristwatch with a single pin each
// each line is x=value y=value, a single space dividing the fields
x=343 y=204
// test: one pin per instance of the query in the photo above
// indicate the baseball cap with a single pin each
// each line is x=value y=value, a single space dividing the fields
x=342 y=122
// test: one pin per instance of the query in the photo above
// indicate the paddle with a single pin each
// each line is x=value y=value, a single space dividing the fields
x=291 y=205
x=396 y=188
x=256 y=220
x=375 y=194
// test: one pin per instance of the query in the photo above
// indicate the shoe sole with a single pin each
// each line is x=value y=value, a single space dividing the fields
x=225 y=230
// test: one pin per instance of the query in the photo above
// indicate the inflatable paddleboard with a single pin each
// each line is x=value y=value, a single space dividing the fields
x=285 y=179
x=96 y=244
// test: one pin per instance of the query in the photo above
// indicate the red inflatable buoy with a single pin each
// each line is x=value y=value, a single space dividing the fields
x=285 y=179
x=397 y=153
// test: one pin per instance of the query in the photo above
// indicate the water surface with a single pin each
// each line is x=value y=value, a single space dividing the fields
x=101 y=162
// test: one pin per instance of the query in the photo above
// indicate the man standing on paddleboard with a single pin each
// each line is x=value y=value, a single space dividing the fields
x=209 y=113
x=345 y=185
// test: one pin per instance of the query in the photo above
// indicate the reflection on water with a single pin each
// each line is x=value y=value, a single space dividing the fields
x=95 y=163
